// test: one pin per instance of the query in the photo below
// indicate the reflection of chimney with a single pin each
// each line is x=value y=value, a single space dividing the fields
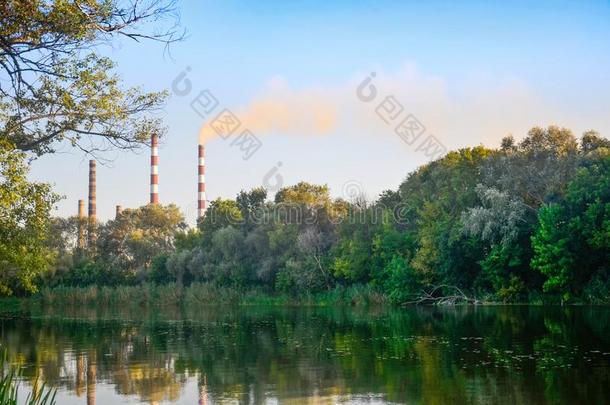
x=80 y=374
x=203 y=390
x=119 y=211
x=201 y=183
x=81 y=224
x=154 y=169
x=92 y=203
x=91 y=377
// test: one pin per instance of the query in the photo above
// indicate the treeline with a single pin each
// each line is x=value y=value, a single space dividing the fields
x=526 y=222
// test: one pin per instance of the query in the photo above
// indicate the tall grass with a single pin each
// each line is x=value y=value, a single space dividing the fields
x=9 y=391
x=197 y=294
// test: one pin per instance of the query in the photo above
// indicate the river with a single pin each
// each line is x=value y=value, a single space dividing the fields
x=254 y=355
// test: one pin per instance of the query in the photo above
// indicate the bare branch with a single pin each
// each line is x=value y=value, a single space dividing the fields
x=443 y=295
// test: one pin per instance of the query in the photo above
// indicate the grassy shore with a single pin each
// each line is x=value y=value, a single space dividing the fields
x=201 y=294
x=150 y=295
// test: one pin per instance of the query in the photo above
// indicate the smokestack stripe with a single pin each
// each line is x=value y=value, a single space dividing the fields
x=92 y=203
x=92 y=187
x=154 y=169
x=81 y=209
x=201 y=182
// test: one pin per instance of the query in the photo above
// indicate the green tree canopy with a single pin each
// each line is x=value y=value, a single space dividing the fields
x=572 y=241
x=53 y=85
x=137 y=235
x=24 y=223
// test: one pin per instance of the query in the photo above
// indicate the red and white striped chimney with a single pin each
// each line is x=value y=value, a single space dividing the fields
x=154 y=169
x=92 y=203
x=201 y=183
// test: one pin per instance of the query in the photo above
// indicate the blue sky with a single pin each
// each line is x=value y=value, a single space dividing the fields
x=471 y=72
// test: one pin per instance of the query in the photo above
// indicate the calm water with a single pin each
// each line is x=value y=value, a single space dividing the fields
x=511 y=355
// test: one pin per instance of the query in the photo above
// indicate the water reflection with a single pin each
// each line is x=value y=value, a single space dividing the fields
x=516 y=355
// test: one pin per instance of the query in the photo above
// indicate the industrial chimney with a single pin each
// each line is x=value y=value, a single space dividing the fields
x=81 y=225
x=201 y=183
x=154 y=169
x=92 y=204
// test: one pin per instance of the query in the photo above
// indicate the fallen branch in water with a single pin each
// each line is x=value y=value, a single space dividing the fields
x=432 y=297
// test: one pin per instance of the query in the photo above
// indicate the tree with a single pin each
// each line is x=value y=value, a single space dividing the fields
x=553 y=255
x=220 y=214
x=308 y=194
x=130 y=242
x=440 y=192
x=392 y=252
x=252 y=206
x=537 y=169
x=497 y=220
x=24 y=224
x=314 y=244
x=388 y=199
x=250 y=200
x=63 y=242
x=53 y=87
x=352 y=253
x=504 y=224
x=591 y=141
x=572 y=241
x=515 y=182
x=508 y=144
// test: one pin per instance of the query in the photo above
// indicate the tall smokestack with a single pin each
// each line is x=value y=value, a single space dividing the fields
x=81 y=224
x=119 y=211
x=154 y=169
x=92 y=203
x=201 y=183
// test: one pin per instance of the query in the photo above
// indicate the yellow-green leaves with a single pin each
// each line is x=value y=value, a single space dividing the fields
x=24 y=223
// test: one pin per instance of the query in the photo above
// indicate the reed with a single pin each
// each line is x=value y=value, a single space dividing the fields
x=9 y=391
x=196 y=294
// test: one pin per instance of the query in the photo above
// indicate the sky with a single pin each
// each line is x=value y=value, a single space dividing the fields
x=468 y=73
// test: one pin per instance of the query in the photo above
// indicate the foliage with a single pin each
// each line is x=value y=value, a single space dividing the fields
x=54 y=88
x=526 y=221
x=132 y=247
x=24 y=224
x=572 y=242
x=130 y=241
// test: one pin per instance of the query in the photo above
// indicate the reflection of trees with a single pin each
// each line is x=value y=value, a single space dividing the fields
x=246 y=354
x=91 y=352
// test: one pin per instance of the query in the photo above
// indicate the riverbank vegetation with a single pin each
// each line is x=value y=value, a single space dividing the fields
x=9 y=389
x=149 y=295
x=526 y=222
